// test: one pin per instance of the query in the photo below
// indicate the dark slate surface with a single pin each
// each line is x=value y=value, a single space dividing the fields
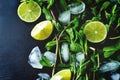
x=15 y=44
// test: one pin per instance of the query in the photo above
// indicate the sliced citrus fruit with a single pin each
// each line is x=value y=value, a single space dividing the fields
x=95 y=31
x=29 y=12
x=42 y=30
x=62 y=75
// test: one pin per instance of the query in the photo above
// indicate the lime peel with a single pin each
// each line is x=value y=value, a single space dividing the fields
x=42 y=30
x=62 y=75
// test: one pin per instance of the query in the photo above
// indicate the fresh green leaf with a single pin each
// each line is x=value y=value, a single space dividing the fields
x=107 y=15
x=47 y=13
x=94 y=11
x=108 y=27
x=50 y=45
x=50 y=3
x=83 y=65
x=104 y=5
x=63 y=4
x=118 y=24
x=119 y=1
x=83 y=15
x=109 y=48
x=117 y=45
x=45 y=62
x=57 y=25
x=112 y=19
x=97 y=1
x=76 y=23
x=96 y=18
x=77 y=35
x=114 y=9
x=70 y=33
x=72 y=63
x=75 y=47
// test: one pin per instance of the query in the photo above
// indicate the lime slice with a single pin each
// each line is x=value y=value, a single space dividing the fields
x=62 y=75
x=95 y=31
x=42 y=30
x=29 y=12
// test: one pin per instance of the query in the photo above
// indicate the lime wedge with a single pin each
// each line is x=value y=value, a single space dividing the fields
x=62 y=75
x=95 y=31
x=42 y=30
x=29 y=12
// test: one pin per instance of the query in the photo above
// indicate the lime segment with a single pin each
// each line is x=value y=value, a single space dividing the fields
x=62 y=75
x=29 y=12
x=95 y=31
x=42 y=30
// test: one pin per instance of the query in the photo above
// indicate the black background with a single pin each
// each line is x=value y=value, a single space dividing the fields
x=16 y=44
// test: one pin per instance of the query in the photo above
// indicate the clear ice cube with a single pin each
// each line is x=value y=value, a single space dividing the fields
x=35 y=57
x=43 y=76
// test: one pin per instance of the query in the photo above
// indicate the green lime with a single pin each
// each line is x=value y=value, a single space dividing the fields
x=95 y=31
x=42 y=30
x=29 y=12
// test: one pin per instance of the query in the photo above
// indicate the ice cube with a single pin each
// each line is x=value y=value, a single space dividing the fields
x=110 y=66
x=65 y=52
x=80 y=56
x=115 y=76
x=43 y=76
x=35 y=57
x=76 y=8
x=64 y=17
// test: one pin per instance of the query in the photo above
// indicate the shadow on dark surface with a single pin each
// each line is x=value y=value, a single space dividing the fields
x=15 y=44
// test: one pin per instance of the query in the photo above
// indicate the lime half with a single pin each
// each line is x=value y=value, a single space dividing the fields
x=42 y=30
x=95 y=31
x=62 y=75
x=29 y=12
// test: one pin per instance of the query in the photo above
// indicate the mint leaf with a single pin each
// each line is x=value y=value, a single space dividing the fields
x=119 y=1
x=105 y=5
x=107 y=15
x=70 y=33
x=75 y=47
x=114 y=9
x=45 y=62
x=112 y=19
x=94 y=11
x=50 y=3
x=47 y=13
x=50 y=45
x=63 y=4
x=118 y=24
x=97 y=1
x=110 y=50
